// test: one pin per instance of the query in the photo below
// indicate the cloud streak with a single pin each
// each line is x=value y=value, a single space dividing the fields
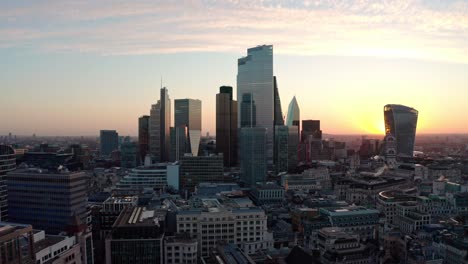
x=409 y=29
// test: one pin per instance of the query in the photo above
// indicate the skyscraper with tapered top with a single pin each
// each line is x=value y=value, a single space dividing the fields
x=159 y=127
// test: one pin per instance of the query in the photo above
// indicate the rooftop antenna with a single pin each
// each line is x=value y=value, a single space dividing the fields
x=161 y=81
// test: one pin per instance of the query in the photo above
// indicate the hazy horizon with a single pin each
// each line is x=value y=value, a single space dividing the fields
x=72 y=68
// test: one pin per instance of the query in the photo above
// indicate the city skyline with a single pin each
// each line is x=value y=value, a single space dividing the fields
x=65 y=80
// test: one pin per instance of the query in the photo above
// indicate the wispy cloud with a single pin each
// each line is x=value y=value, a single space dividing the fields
x=414 y=29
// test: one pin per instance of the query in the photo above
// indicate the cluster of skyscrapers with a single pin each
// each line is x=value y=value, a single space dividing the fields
x=272 y=190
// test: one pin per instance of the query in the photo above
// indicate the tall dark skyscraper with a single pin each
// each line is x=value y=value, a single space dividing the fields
x=255 y=76
x=278 y=118
x=61 y=195
x=401 y=122
x=159 y=127
x=188 y=112
x=253 y=155
x=279 y=127
x=226 y=126
x=248 y=111
x=143 y=137
x=109 y=140
x=7 y=164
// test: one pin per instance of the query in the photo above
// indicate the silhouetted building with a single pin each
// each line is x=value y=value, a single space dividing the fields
x=253 y=155
x=143 y=137
x=7 y=164
x=311 y=128
x=401 y=122
x=188 y=112
x=255 y=76
x=109 y=140
x=226 y=126
x=278 y=118
x=46 y=199
x=159 y=127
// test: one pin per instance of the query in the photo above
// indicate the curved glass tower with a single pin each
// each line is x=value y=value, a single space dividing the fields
x=255 y=76
x=401 y=122
x=293 y=116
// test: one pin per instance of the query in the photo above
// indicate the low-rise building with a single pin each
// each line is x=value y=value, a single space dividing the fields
x=213 y=222
x=268 y=193
x=356 y=219
x=157 y=177
x=16 y=243
x=338 y=246
x=409 y=218
x=180 y=249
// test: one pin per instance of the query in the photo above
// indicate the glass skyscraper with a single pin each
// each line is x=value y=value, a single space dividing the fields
x=253 y=155
x=401 y=122
x=248 y=111
x=159 y=127
x=188 y=112
x=226 y=126
x=109 y=140
x=255 y=76
x=179 y=137
x=294 y=114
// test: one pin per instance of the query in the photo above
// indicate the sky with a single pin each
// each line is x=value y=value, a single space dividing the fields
x=76 y=67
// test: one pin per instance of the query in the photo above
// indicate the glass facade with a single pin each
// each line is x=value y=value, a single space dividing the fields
x=179 y=136
x=154 y=132
x=128 y=155
x=294 y=114
x=165 y=124
x=253 y=155
x=7 y=164
x=194 y=170
x=109 y=140
x=248 y=111
x=226 y=126
x=293 y=145
x=281 y=148
x=46 y=200
x=255 y=76
x=159 y=128
x=401 y=122
x=188 y=113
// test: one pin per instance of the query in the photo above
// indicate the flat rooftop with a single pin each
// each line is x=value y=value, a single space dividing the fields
x=349 y=210
x=140 y=216
x=47 y=242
